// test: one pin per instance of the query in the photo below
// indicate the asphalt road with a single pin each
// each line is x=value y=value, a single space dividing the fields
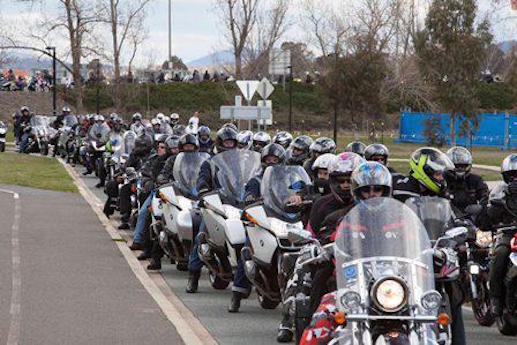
x=253 y=325
x=63 y=280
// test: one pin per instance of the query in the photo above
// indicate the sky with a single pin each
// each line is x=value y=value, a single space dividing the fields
x=196 y=30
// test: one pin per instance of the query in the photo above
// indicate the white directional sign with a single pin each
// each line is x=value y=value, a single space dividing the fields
x=248 y=88
x=245 y=113
x=265 y=89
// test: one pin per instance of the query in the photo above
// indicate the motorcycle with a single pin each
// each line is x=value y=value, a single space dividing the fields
x=3 y=133
x=98 y=136
x=384 y=271
x=269 y=250
x=221 y=243
x=177 y=203
x=66 y=144
x=112 y=157
x=39 y=138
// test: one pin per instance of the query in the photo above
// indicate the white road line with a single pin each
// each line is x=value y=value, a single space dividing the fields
x=13 y=336
x=190 y=329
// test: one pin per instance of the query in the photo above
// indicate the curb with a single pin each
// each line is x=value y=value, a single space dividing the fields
x=189 y=328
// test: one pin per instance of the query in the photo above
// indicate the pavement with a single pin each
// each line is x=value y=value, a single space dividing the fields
x=253 y=325
x=63 y=279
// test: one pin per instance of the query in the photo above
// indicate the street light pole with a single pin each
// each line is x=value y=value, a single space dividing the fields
x=54 y=83
x=290 y=98
x=170 y=30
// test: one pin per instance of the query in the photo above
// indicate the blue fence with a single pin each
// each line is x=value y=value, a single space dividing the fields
x=495 y=130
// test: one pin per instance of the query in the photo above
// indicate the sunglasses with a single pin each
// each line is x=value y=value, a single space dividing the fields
x=342 y=180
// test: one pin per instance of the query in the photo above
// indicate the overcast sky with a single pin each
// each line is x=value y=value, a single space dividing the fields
x=196 y=30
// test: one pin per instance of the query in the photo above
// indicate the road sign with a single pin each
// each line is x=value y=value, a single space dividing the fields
x=268 y=104
x=279 y=62
x=245 y=113
x=265 y=89
x=248 y=88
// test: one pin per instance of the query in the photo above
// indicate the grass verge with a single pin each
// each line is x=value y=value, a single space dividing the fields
x=36 y=172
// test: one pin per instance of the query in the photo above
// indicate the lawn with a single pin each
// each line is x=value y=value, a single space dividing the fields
x=36 y=172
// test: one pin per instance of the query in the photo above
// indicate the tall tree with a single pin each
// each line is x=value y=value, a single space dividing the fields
x=452 y=51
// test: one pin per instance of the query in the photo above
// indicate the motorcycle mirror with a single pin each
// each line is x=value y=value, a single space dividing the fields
x=473 y=210
x=298 y=235
x=455 y=232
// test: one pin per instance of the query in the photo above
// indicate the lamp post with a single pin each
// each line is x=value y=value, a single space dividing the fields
x=54 y=84
x=290 y=98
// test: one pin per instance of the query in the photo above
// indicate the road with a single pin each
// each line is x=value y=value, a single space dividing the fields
x=63 y=279
x=256 y=325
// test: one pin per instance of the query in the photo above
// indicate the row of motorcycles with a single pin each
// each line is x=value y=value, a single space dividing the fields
x=390 y=287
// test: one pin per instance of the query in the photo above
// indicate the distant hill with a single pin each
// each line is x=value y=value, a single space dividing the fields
x=221 y=57
x=26 y=61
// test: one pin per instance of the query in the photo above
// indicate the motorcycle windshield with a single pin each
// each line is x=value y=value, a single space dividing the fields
x=279 y=183
x=99 y=132
x=434 y=212
x=116 y=143
x=382 y=240
x=129 y=142
x=186 y=170
x=38 y=121
x=69 y=121
x=234 y=169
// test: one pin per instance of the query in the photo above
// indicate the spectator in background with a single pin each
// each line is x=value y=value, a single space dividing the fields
x=206 y=77
x=196 y=77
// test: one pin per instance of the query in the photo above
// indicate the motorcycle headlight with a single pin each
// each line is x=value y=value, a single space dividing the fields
x=483 y=238
x=431 y=300
x=389 y=294
x=41 y=133
x=350 y=300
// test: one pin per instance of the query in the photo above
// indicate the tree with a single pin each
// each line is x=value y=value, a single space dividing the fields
x=451 y=52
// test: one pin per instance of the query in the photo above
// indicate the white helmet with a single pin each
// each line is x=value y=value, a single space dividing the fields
x=160 y=116
x=167 y=119
x=323 y=161
x=175 y=116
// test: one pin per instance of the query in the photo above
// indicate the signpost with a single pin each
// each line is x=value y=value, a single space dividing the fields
x=248 y=88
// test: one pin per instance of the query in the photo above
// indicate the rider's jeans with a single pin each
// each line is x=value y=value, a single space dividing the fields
x=138 y=233
x=24 y=141
x=240 y=281
x=194 y=262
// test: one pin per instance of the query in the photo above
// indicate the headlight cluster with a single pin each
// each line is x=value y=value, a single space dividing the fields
x=389 y=294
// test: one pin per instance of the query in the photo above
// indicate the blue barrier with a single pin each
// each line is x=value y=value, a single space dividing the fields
x=495 y=130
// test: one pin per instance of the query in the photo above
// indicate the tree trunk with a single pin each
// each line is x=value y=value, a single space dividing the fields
x=238 y=65
x=116 y=53
x=78 y=87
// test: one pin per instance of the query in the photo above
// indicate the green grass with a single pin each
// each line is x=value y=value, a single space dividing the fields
x=37 y=172
x=10 y=136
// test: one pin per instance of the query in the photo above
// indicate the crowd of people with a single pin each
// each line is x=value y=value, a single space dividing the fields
x=341 y=179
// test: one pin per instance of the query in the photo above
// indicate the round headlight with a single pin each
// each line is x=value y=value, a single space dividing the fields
x=431 y=300
x=389 y=294
x=350 y=300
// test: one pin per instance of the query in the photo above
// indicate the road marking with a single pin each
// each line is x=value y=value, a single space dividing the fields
x=13 y=336
x=190 y=329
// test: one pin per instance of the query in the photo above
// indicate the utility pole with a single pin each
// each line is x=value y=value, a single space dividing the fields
x=54 y=83
x=290 y=97
x=170 y=32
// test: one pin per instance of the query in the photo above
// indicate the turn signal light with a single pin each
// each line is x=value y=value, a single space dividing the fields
x=251 y=219
x=163 y=197
x=513 y=243
x=340 y=318
x=133 y=188
x=444 y=319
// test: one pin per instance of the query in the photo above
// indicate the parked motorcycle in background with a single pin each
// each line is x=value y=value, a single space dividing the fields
x=38 y=141
x=3 y=133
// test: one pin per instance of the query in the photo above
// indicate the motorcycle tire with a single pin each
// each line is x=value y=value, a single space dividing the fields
x=2 y=147
x=482 y=306
x=44 y=149
x=507 y=324
x=267 y=303
x=216 y=282
x=182 y=266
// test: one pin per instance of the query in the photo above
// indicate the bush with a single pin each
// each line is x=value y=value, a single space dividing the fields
x=496 y=96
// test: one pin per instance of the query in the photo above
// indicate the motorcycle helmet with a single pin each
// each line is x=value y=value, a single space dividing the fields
x=230 y=124
x=321 y=146
x=204 y=134
x=245 y=139
x=137 y=117
x=178 y=130
x=377 y=153
x=66 y=110
x=143 y=144
x=188 y=139
x=340 y=171
x=173 y=144
x=113 y=116
x=428 y=166
x=356 y=147
x=462 y=160
x=167 y=119
x=160 y=117
x=298 y=151
x=509 y=168
x=283 y=138
x=269 y=151
x=25 y=108
x=320 y=172
x=260 y=139
x=371 y=177
x=175 y=118
x=225 y=136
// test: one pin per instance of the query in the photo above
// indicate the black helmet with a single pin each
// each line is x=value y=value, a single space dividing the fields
x=322 y=145
x=188 y=139
x=143 y=144
x=203 y=130
x=356 y=147
x=172 y=142
x=275 y=150
x=178 y=130
x=301 y=143
x=283 y=138
x=377 y=150
x=425 y=163
x=226 y=133
x=137 y=117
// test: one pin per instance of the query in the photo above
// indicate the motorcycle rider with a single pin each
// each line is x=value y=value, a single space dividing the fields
x=205 y=142
x=320 y=146
x=501 y=210
x=157 y=126
x=245 y=140
x=356 y=147
x=173 y=147
x=465 y=187
x=321 y=174
x=378 y=153
x=187 y=143
x=24 y=126
x=298 y=151
x=260 y=139
x=175 y=119
x=427 y=178
x=272 y=154
x=137 y=125
x=226 y=140
x=283 y=138
x=340 y=198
